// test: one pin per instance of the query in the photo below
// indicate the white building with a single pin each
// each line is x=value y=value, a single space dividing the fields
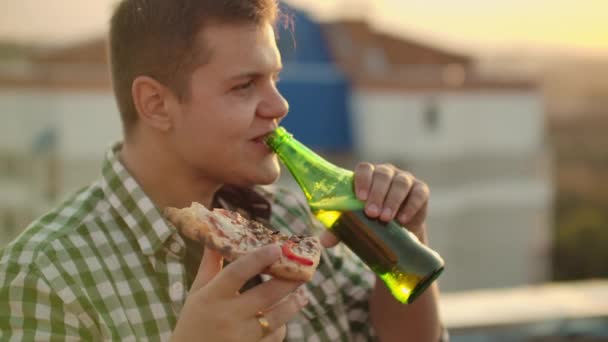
x=480 y=145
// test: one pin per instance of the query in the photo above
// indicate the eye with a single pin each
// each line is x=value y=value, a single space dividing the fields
x=244 y=86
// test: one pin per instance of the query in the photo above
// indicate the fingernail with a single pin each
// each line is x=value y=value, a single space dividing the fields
x=362 y=195
x=372 y=210
x=386 y=214
x=403 y=218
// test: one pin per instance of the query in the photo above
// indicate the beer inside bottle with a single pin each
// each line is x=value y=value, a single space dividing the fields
x=406 y=266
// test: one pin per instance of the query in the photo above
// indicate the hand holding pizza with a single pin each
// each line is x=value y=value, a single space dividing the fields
x=215 y=311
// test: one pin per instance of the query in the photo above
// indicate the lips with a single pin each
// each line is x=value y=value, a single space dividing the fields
x=262 y=137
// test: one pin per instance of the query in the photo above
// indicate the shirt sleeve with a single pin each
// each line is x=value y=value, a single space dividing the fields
x=31 y=311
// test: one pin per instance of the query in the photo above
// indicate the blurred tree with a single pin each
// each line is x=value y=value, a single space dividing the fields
x=581 y=240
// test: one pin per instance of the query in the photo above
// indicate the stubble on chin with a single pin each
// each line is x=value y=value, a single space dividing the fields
x=271 y=172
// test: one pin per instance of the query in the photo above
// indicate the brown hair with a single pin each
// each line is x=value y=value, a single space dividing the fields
x=156 y=38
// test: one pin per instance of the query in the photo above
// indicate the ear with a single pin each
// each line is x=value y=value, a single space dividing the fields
x=151 y=100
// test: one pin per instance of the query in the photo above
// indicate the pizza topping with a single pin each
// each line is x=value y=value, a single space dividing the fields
x=286 y=248
x=214 y=221
x=252 y=241
x=234 y=235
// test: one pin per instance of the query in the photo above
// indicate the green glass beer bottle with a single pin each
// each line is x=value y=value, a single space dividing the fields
x=406 y=266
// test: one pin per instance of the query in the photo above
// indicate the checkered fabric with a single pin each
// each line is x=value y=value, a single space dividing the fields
x=105 y=265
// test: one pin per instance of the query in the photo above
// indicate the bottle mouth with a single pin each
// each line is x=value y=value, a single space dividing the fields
x=277 y=137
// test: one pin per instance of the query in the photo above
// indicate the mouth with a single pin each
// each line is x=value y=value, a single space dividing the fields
x=260 y=142
x=261 y=139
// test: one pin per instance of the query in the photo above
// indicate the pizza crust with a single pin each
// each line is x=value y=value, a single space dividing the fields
x=234 y=236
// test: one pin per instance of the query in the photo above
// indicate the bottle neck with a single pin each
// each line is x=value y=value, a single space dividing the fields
x=325 y=185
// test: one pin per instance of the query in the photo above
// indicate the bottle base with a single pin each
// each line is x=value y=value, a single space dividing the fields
x=423 y=285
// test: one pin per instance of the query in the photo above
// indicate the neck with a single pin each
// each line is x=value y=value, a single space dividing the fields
x=166 y=179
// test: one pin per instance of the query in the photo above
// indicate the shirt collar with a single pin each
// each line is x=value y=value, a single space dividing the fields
x=133 y=206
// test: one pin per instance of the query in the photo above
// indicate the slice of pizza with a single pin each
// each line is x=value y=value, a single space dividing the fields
x=234 y=236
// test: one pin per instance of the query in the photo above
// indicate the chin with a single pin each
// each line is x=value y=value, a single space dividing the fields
x=269 y=177
x=264 y=173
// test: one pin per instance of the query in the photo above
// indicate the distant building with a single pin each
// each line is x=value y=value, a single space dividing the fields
x=58 y=117
x=479 y=143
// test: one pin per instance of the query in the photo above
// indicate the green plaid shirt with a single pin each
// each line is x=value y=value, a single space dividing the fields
x=105 y=265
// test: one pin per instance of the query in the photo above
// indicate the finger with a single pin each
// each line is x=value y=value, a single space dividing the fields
x=363 y=180
x=210 y=266
x=244 y=268
x=416 y=224
x=381 y=181
x=277 y=335
x=417 y=199
x=282 y=312
x=267 y=294
x=328 y=239
x=397 y=193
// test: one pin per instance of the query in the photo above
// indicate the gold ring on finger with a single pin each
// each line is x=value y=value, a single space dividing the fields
x=263 y=323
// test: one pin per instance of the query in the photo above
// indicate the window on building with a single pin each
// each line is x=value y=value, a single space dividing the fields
x=431 y=115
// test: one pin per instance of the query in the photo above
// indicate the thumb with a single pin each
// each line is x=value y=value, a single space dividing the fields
x=210 y=266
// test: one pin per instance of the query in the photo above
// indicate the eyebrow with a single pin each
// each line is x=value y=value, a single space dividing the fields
x=253 y=74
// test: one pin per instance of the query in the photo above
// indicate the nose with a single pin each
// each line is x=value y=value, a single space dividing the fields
x=274 y=105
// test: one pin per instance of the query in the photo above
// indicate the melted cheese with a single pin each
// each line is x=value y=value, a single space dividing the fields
x=228 y=227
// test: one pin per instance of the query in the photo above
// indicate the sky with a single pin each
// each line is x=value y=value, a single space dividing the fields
x=475 y=26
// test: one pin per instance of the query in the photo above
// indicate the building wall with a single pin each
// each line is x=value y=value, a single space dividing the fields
x=401 y=125
x=51 y=144
x=492 y=232
x=85 y=123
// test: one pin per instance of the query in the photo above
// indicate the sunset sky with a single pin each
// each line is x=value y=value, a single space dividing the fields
x=475 y=26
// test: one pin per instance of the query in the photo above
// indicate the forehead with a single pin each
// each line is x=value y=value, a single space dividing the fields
x=232 y=48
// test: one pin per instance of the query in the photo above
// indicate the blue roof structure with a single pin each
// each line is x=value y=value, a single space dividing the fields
x=317 y=92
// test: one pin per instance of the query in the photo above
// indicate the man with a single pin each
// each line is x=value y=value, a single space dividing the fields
x=195 y=84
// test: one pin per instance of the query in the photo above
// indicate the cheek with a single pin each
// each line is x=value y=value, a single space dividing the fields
x=216 y=127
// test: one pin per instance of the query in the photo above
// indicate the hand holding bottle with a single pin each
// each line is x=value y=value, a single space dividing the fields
x=389 y=194
x=365 y=209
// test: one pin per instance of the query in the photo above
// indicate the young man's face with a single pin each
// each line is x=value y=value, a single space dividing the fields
x=233 y=103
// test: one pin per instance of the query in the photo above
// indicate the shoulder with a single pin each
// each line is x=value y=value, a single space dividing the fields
x=48 y=236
